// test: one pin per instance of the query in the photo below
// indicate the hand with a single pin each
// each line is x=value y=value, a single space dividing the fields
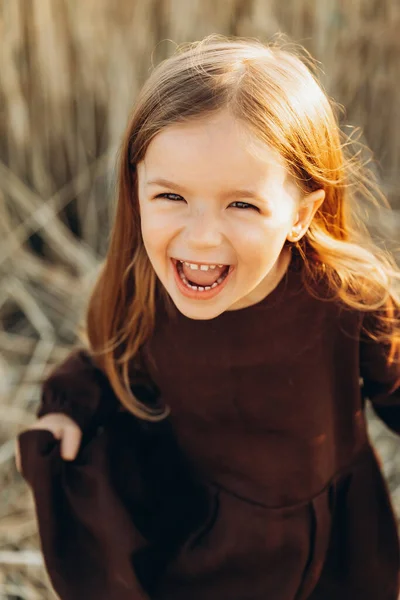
x=63 y=428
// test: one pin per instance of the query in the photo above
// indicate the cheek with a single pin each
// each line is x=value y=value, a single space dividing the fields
x=152 y=223
x=262 y=240
x=157 y=232
x=282 y=214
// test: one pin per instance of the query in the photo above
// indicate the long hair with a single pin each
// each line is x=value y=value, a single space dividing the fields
x=275 y=92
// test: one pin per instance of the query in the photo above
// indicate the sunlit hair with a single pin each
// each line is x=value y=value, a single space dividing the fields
x=273 y=89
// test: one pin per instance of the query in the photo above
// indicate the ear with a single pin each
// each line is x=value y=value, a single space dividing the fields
x=308 y=206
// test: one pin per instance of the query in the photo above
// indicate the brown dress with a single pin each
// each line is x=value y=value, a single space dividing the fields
x=281 y=497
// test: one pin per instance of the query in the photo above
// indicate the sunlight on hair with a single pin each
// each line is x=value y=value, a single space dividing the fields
x=274 y=90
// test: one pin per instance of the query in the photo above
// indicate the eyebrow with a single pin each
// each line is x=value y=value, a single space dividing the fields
x=242 y=193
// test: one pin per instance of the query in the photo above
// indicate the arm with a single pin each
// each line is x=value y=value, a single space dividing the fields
x=381 y=381
x=78 y=389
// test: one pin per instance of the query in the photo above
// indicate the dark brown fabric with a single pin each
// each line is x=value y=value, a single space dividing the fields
x=267 y=408
x=111 y=520
x=254 y=552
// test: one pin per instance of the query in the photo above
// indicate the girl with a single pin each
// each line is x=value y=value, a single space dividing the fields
x=239 y=287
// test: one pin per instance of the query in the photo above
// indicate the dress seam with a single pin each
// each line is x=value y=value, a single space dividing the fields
x=358 y=457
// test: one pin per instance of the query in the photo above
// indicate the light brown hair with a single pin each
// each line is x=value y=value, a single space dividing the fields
x=275 y=93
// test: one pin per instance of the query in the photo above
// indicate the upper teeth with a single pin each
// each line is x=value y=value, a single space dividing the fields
x=201 y=267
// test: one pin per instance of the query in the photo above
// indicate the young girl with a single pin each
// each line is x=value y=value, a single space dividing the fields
x=238 y=287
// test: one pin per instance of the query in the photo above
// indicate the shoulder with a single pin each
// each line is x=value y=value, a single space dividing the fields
x=78 y=388
x=77 y=368
x=322 y=302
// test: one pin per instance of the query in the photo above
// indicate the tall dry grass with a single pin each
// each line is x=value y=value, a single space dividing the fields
x=69 y=72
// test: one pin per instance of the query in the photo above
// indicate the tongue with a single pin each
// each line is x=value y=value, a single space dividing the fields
x=203 y=277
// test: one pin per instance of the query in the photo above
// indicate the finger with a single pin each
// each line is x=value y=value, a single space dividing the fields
x=55 y=428
x=17 y=456
x=70 y=442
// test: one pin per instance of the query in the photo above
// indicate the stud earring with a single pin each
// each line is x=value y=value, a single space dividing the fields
x=294 y=234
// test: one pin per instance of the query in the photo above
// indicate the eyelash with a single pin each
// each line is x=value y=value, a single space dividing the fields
x=236 y=202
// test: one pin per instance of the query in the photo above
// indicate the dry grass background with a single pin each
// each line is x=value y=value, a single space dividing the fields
x=69 y=72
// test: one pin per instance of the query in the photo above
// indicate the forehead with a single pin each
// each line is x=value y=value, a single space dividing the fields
x=213 y=148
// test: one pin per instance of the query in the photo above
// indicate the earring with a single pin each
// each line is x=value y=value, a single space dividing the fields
x=294 y=234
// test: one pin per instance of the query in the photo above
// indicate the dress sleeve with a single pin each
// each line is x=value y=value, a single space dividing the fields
x=78 y=389
x=381 y=380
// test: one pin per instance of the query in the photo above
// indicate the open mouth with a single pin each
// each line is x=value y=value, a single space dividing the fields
x=216 y=279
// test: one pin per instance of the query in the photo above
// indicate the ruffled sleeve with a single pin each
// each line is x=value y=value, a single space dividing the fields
x=112 y=520
x=381 y=380
x=78 y=389
x=87 y=538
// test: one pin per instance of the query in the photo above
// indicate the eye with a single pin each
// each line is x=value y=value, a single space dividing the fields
x=177 y=197
x=245 y=205
x=169 y=196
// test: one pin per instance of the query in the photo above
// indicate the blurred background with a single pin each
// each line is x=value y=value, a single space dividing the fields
x=69 y=74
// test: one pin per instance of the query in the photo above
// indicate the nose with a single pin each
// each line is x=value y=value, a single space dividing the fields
x=204 y=231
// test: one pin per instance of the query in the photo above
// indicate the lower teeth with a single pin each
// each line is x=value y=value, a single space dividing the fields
x=200 y=288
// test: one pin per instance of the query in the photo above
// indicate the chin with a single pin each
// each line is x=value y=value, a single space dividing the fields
x=200 y=313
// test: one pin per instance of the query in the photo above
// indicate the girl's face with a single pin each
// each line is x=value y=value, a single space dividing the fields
x=205 y=198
